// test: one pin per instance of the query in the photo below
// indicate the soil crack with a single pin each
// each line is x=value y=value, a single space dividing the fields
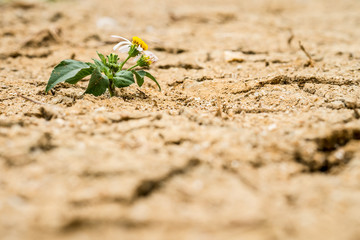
x=170 y=50
x=149 y=186
x=332 y=150
x=186 y=66
x=298 y=80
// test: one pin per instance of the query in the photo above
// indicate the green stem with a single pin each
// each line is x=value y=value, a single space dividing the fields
x=133 y=67
x=111 y=88
x=123 y=63
x=111 y=92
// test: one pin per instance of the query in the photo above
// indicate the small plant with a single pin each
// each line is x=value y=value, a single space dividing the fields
x=108 y=72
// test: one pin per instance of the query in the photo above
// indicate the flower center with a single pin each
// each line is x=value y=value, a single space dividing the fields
x=138 y=42
x=148 y=60
x=145 y=61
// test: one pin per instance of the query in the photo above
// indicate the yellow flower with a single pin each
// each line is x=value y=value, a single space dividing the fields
x=139 y=43
x=147 y=59
x=125 y=45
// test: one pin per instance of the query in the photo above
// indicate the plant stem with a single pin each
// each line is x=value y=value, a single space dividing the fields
x=133 y=67
x=123 y=63
x=111 y=92
x=111 y=88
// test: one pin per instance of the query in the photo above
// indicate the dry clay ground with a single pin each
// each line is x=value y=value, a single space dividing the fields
x=249 y=139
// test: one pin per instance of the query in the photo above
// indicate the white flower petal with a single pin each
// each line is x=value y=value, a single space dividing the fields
x=124 y=49
x=120 y=44
x=114 y=36
x=117 y=46
x=152 y=56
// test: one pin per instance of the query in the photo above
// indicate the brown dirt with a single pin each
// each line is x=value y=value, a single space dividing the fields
x=266 y=146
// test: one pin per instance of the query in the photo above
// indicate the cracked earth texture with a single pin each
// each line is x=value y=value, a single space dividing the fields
x=249 y=139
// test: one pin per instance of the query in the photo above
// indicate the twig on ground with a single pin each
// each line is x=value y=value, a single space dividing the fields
x=310 y=61
x=29 y=99
x=291 y=37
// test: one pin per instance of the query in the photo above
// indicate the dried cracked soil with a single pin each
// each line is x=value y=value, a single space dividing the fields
x=249 y=138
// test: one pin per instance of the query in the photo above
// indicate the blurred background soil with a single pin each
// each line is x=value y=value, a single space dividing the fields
x=256 y=134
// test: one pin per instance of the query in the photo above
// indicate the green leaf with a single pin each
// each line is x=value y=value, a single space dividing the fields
x=70 y=71
x=91 y=65
x=152 y=78
x=100 y=65
x=98 y=83
x=123 y=78
x=139 y=77
x=102 y=57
